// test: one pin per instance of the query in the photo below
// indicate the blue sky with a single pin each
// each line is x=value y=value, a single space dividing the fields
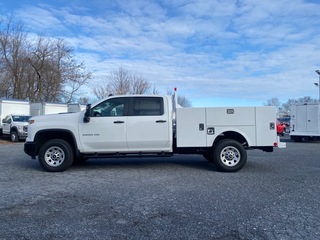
x=217 y=53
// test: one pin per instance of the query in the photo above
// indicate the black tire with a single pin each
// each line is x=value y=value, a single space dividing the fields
x=56 y=155
x=229 y=155
x=14 y=136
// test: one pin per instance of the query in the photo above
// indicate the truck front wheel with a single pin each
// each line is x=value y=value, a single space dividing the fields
x=56 y=155
x=14 y=136
x=229 y=155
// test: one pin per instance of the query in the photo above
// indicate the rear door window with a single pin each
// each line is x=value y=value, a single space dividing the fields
x=147 y=106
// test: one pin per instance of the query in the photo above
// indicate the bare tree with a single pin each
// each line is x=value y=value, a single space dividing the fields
x=71 y=74
x=102 y=91
x=41 y=70
x=39 y=81
x=184 y=102
x=283 y=109
x=122 y=82
x=155 y=91
x=138 y=85
x=119 y=81
x=13 y=45
x=61 y=75
x=273 y=102
x=83 y=100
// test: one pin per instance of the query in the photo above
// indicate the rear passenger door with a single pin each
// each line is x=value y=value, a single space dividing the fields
x=148 y=125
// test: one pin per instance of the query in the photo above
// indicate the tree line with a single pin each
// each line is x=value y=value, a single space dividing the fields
x=37 y=68
x=283 y=109
x=44 y=69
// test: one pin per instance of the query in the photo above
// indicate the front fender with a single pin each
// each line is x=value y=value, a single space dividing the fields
x=43 y=136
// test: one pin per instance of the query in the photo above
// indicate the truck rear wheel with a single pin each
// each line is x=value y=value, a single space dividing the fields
x=56 y=155
x=229 y=155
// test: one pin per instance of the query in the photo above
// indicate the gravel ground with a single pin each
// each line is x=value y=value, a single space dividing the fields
x=275 y=196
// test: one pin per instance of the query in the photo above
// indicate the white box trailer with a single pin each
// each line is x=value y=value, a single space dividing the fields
x=16 y=107
x=44 y=108
x=305 y=122
x=75 y=107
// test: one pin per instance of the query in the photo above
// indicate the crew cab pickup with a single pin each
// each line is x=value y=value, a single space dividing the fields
x=151 y=125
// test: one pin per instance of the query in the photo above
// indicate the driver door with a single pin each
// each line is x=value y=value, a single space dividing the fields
x=6 y=123
x=106 y=131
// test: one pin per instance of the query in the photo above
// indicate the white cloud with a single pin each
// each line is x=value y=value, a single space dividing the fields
x=39 y=19
x=246 y=50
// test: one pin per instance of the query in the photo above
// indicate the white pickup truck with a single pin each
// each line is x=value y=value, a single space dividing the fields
x=15 y=126
x=140 y=125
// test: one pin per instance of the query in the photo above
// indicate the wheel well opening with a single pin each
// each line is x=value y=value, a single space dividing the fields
x=45 y=136
x=13 y=129
x=232 y=135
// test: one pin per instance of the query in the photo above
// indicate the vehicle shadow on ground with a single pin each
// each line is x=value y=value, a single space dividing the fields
x=7 y=140
x=288 y=139
x=116 y=163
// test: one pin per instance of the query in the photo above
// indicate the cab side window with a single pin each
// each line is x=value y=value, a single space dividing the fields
x=7 y=120
x=109 y=108
x=147 y=106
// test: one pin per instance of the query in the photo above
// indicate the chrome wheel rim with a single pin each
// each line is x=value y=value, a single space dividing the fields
x=230 y=156
x=13 y=137
x=54 y=156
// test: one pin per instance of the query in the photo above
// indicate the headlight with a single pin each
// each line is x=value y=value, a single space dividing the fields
x=20 y=128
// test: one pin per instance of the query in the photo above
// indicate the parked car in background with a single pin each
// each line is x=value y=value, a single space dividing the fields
x=16 y=126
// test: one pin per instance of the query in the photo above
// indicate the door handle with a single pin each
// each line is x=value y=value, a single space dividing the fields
x=117 y=122
x=161 y=121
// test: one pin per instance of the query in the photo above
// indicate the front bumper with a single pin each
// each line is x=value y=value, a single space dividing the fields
x=30 y=149
x=280 y=144
x=23 y=135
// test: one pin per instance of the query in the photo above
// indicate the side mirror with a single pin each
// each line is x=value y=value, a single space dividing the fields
x=86 y=117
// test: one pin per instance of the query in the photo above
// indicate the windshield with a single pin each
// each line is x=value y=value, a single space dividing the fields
x=16 y=118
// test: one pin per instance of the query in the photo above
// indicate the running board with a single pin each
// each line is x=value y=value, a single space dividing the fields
x=127 y=155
